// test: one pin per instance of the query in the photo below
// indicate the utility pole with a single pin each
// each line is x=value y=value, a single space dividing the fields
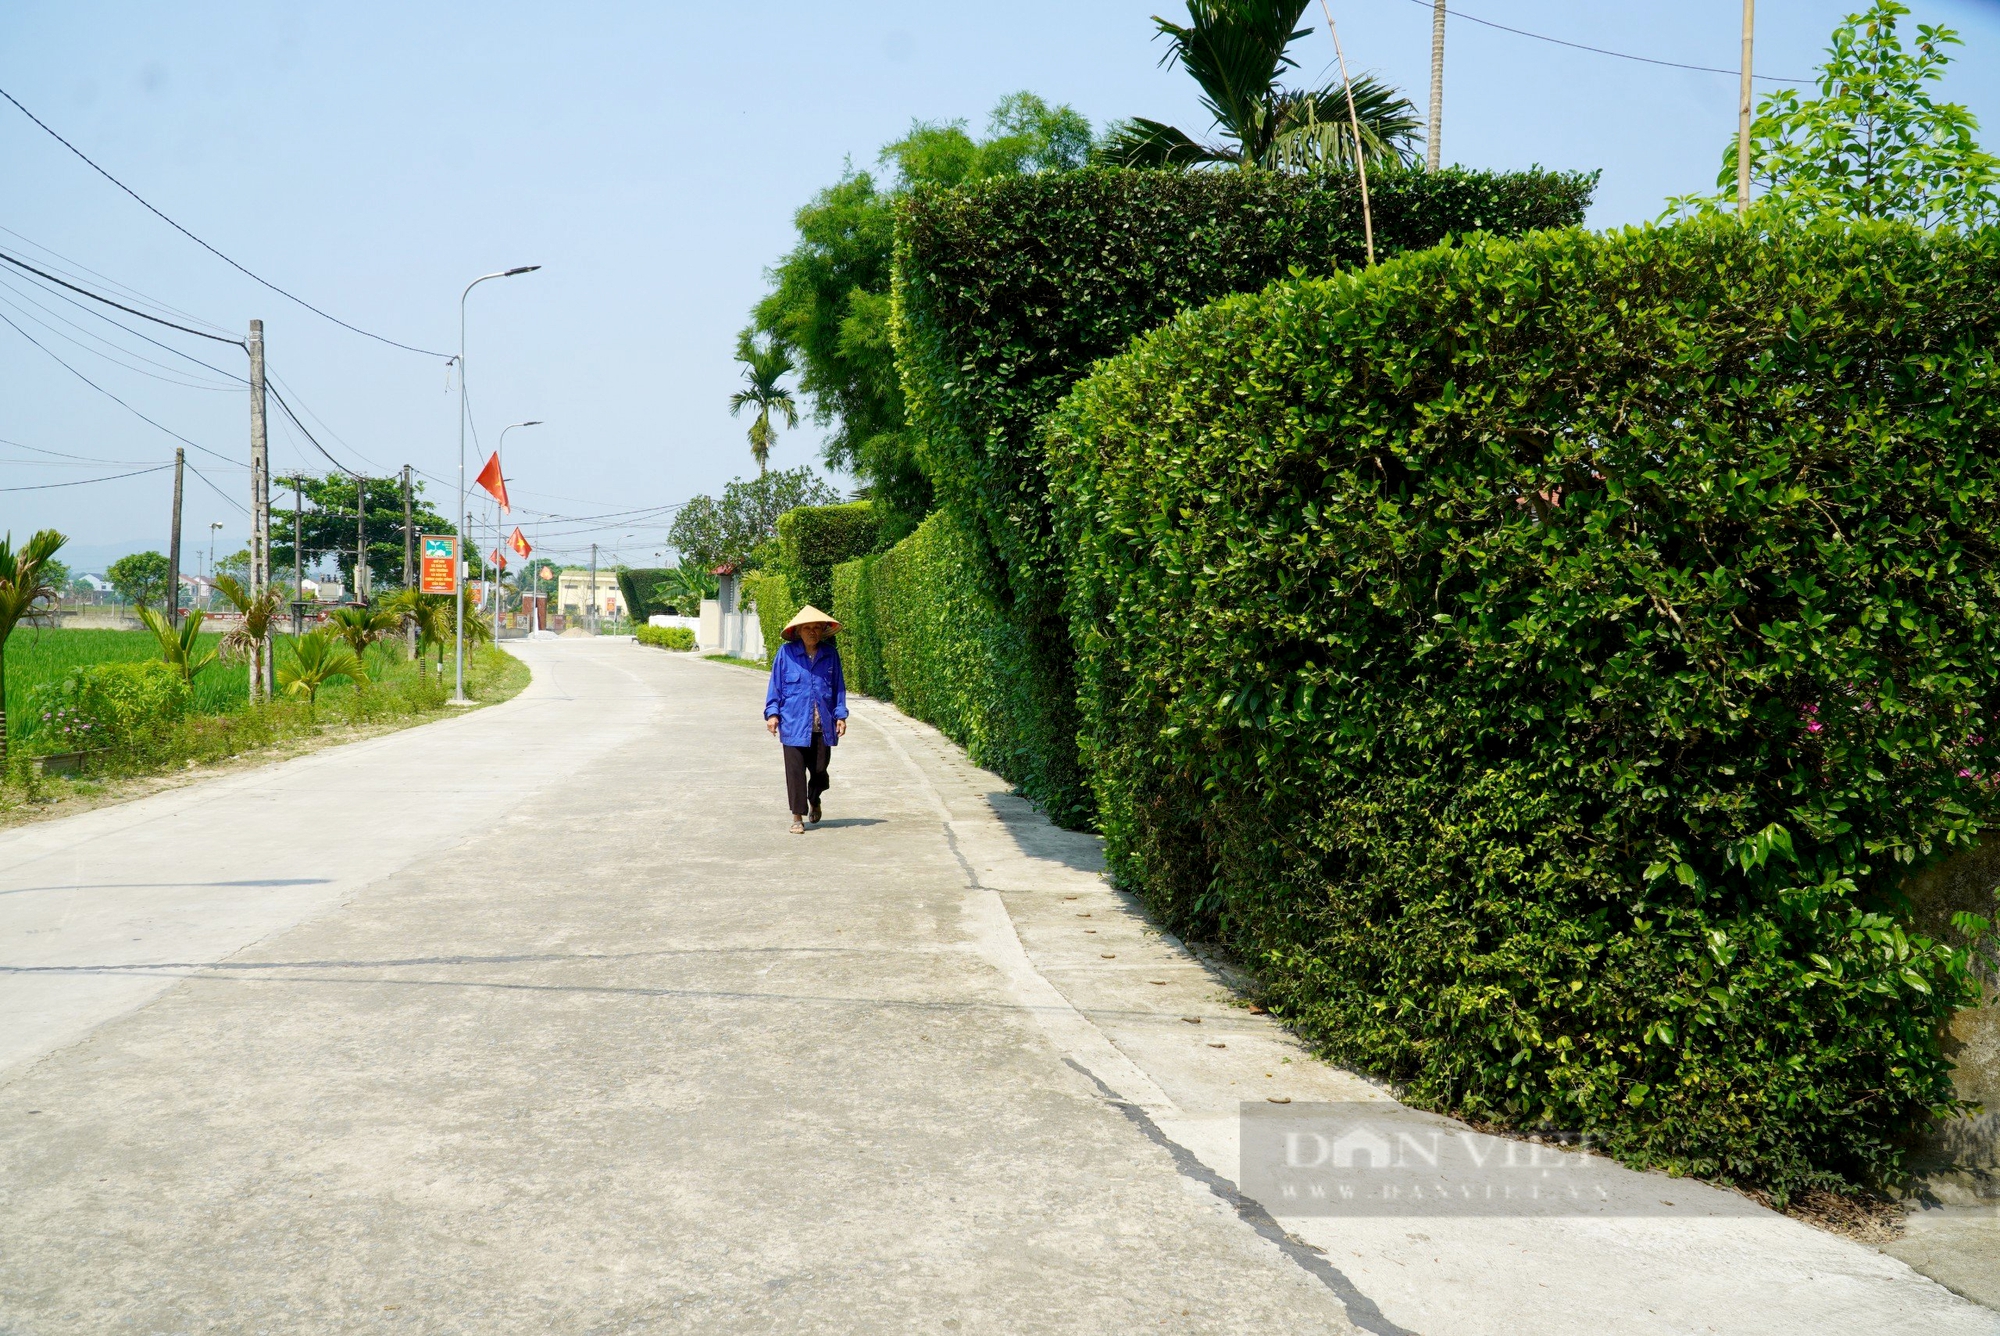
x=361 y=538
x=1743 y=114
x=174 y=545
x=593 y=589
x=260 y=507
x=1435 y=146
x=409 y=559
x=298 y=555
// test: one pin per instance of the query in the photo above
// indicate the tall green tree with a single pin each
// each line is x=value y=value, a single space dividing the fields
x=1237 y=50
x=25 y=592
x=327 y=527
x=140 y=579
x=742 y=527
x=829 y=301
x=1875 y=143
x=765 y=366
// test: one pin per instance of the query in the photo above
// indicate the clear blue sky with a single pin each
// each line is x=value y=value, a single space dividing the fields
x=375 y=157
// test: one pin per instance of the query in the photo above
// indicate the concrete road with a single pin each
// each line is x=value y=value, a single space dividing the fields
x=539 y=1020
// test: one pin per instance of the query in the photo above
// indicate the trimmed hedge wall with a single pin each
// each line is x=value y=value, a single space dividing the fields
x=637 y=586
x=664 y=637
x=860 y=636
x=812 y=540
x=775 y=606
x=920 y=626
x=1544 y=659
x=1006 y=293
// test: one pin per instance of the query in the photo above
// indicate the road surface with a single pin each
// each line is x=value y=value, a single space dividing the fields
x=538 y=1019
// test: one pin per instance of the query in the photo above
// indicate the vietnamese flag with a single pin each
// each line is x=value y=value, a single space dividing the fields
x=490 y=479
x=499 y=560
x=519 y=542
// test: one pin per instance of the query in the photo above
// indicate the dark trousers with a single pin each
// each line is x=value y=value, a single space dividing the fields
x=805 y=773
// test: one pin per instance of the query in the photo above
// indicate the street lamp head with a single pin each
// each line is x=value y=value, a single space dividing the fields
x=536 y=422
x=521 y=269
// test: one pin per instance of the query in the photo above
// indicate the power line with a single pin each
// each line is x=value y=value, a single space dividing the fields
x=141 y=334
x=307 y=434
x=64 y=454
x=1602 y=51
x=203 y=244
x=217 y=490
x=124 y=288
x=176 y=376
x=84 y=482
x=98 y=297
x=112 y=397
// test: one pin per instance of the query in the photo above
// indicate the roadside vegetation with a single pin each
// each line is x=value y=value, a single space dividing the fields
x=1543 y=658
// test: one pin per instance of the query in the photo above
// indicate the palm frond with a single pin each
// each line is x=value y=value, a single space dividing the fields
x=1139 y=142
x=1312 y=130
x=1235 y=50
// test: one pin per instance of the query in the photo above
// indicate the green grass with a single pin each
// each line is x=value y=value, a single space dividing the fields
x=36 y=655
x=224 y=724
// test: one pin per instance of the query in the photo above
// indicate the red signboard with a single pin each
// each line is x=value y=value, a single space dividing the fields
x=439 y=569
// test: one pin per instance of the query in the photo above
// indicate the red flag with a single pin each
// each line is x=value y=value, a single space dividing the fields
x=499 y=559
x=519 y=542
x=490 y=479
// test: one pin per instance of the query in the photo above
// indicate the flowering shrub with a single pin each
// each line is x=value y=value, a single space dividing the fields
x=107 y=705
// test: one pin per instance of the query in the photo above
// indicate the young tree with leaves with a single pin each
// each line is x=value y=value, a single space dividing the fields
x=1875 y=143
x=25 y=592
x=708 y=532
x=140 y=579
x=1237 y=50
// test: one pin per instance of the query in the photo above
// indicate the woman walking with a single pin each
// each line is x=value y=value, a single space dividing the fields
x=806 y=709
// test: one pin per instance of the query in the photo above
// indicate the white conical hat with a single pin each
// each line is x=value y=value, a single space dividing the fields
x=806 y=617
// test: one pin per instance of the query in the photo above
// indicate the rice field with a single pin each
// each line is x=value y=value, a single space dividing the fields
x=36 y=655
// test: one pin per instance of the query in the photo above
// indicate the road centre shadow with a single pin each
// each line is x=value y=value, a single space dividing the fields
x=168 y=885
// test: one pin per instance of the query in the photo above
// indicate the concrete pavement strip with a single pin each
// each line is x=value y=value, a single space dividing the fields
x=537 y=1019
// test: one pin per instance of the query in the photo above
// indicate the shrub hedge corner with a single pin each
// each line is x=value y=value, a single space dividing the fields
x=1005 y=293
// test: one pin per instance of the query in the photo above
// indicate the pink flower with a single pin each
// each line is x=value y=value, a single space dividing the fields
x=1815 y=727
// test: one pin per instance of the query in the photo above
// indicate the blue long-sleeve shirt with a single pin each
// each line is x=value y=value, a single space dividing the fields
x=798 y=684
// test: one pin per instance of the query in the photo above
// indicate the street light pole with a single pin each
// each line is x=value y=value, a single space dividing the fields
x=458 y=617
x=500 y=453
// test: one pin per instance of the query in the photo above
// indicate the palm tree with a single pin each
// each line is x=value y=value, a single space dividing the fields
x=763 y=367
x=429 y=615
x=318 y=656
x=179 y=649
x=362 y=627
x=25 y=591
x=1236 y=49
x=252 y=637
x=685 y=587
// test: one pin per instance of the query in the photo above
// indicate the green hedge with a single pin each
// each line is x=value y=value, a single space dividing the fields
x=920 y=626
x=1007 y=292
x=1545 y=658
x=812 y=540
x=637 y=586
x=860 y=637
x=664 y=637
x=775 y=606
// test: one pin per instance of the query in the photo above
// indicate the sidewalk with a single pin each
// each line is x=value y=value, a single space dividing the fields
x=597 y=1046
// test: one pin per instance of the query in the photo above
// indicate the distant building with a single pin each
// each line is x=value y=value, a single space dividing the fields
x=573 y=593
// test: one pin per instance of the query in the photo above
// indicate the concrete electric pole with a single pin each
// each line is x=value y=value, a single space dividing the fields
x=1743 y=114
x=260 y=506
x=593 y=589
x=1435 y=146
x=174 y=545
x=361 y=538
x=409 y=559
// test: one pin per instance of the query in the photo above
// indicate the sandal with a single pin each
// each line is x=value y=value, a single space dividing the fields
x=798 y=826
x=813 y=816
